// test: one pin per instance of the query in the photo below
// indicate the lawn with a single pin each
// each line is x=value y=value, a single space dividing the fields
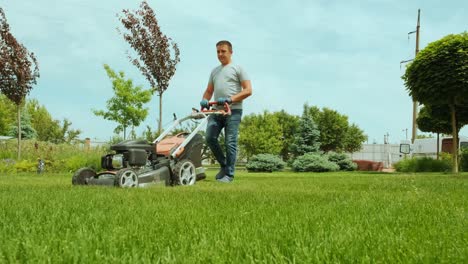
x=270 y=218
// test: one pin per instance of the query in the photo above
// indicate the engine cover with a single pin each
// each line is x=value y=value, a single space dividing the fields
x=136 y=157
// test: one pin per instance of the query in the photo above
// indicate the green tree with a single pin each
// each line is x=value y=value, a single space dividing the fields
x=18 y=71
x=332 y=127
x=336 y=134
x=26 y=129
x=260 y=134
x=439 y=76
x=126 y=106
x=47 y=128
x=66 y=133
x=354 y=138
x=333 y=130
x=289 y=125
x=307 y=137
x=155 y=59
x=436 y=119
x=7 y=114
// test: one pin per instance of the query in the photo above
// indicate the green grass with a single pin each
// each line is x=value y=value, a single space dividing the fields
x=269 y=218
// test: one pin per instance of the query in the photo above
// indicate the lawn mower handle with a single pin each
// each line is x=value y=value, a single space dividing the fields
x=226 y=111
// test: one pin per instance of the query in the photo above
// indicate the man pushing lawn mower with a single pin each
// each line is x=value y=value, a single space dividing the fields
x=230 y=84
x=169 y=159
x=176 y=160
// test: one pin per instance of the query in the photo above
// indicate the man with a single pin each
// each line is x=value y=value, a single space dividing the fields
x=229 y=83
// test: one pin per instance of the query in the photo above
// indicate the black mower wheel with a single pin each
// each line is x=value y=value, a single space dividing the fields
x=126 y=178
x=184 y=173
x=82 y=175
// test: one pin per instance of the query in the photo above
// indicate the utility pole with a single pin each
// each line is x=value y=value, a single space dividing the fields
x=415 y=103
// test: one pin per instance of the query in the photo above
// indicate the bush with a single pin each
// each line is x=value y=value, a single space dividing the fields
x=26 y=166
x=7 y=166
x=464 y=160
x=424 y=164
x=57 y=157
x=314 y=162
x=82 y=160
x=342 y=160
x=265 y=162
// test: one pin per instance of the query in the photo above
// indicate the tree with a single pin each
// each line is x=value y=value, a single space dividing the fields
x=66 y=134
x=336 y=134
x=7 y=114
x=307 y=137
x=154 y=58
x=49 y=129
x=260 y=134
x=436 y=119
x=18 y=70
x=26 y=129
x=333 y=128
x=438 y=76
x=289 y=125
x=126 y=106
x=354 y=138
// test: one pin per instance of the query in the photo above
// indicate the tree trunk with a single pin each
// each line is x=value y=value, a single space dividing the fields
x=19 y=131
x=438 y=146
x=454 y=140
x=160 y=114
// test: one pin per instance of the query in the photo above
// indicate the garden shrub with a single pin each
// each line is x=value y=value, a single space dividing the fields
x=265 y=163
x=7 y=166
x=314 y=162
x=464 y=160
x=25 y=166
x=82 y=160
x=57 y=157
x=423 y=164
x=342 y=160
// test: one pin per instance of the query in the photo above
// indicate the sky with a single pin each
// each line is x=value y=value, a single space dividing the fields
x=343 y=55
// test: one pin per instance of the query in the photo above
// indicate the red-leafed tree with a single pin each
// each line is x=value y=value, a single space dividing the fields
x=18 y=70
x=156 y=60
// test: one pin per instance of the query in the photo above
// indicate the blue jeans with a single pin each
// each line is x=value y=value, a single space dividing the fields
x=231 y=130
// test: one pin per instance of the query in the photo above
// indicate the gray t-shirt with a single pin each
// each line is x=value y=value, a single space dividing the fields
x=227 y=82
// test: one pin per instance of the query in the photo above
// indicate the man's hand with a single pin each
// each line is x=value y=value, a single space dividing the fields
x=223 y=100
x=204 y=104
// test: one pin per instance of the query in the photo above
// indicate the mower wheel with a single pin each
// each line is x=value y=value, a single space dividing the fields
x=126 y=178
x=184 y=173
x=82 y=175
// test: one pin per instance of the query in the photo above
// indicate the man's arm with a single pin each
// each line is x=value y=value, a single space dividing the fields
x=208 y=92
x=246 y=92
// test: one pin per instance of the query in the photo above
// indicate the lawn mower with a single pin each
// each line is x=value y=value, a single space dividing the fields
x=169 y=160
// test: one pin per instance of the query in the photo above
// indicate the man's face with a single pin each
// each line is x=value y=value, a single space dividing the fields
x=224 y=54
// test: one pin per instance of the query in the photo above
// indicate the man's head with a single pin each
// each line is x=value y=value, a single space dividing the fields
x=224 y=51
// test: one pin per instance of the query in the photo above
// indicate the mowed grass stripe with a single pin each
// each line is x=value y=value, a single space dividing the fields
x=274 y=217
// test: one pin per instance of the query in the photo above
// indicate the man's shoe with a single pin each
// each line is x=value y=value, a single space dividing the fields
x=220 y=174
x=226 y=179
